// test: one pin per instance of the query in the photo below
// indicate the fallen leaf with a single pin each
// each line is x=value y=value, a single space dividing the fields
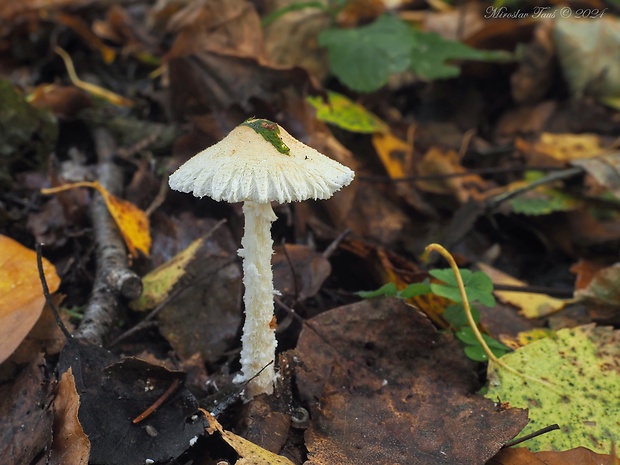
x=157 y=284
x=346 y=114
x=249 y=453
x=562 y=147
x=535 y=74
x=585 y=271
x=229 y=28
x=62 y=101
x=579 y=367
x=383 y=386
x=394 y=153
x=300 y=271
x=586 y=51
x=132 y=222
x=603 y=288
x=531 y=305
x=26 y=426
x=604 y=169
x=70 y=445
x=438 y=162
x=291 y=40
x=21 y=294
x=523 y=456
x=113 y=393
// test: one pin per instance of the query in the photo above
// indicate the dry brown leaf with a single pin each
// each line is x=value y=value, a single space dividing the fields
x=231 y=27
x=21 y=294
x=438 y=162
x=300 y=271
x=292 y=39
x=70 y=445
x=578 y=456
x=383 y=386
x=26 y=426
x=63 y=101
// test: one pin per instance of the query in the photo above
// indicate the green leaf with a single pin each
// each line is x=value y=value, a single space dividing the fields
x=270 y=131
x=447 y=275
x=363 y=58
x=581 y=366
x=342 y=112
x=414 y=290
x=543 y=201
x=430 y=52
x=467 y=336
x=388 y=290
x=476 y=353
x=478 y=286
x=455 y=315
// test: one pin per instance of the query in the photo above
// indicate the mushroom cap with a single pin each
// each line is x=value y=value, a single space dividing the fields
x=245 y=166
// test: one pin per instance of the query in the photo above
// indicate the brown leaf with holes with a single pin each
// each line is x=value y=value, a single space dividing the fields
x=383 y=386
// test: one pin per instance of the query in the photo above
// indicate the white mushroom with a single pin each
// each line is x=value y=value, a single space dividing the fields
x=257 y=163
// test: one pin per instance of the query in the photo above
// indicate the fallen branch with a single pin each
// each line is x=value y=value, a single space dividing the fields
x=113 y=278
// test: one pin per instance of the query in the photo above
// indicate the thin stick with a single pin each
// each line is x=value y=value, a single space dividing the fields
x=479 y=171
x=155 y=405
x=527 y=437
x=494 y=202
x=46 y=293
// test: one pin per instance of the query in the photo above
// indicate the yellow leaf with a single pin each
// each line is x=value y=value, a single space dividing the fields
x=531 y=305
x=565 y=147
x=249 y=453
x=344 y=113
x=131 y=221
x=21 y=294
x=157 y=284
x=393 y=152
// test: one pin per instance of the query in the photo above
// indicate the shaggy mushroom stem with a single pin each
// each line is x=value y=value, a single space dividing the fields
x=259 y=338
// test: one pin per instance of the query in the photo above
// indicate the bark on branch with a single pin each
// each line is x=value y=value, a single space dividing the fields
x=113 y=278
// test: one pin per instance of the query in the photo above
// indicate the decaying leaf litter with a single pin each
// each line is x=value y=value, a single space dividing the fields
x=509 y=160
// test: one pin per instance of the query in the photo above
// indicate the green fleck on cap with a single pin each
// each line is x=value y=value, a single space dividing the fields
x=270 y=132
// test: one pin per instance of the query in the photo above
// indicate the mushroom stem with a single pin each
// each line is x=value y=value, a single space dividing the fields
x=259 y=339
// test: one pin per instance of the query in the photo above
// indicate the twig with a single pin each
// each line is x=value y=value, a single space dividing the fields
x=155 y=405
x=527 y=437
x=113 y=278
x=147 y=321
x=564 y=293
x=479 y=171
x=494 y=202
x=48 y=297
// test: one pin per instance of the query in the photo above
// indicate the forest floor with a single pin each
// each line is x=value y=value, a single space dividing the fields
x=492 y=131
